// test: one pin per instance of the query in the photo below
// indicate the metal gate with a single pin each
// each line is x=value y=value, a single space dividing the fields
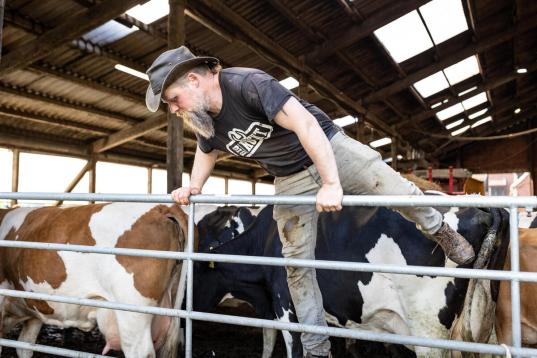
x=511 y=203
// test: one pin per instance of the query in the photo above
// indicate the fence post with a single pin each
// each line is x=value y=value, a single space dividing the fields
x=515 y=283
x=189 y=280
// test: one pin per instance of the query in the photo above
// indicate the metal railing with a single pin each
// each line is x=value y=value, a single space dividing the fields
x=511 y=203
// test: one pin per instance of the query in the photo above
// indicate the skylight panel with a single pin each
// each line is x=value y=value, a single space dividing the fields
x=380 y=142
x=109 y=32
x=478 y=113
x=444 y=18
x=404 y=37
x=450 y=111
x=150 y=11
x=462 y=70
x=454 y=124
x=289 y=83
x=432 y=84
x=345 y=121
x=460 y=131
x=131 y=71
x=482 y=121
x=467 y=91
x=475 y=100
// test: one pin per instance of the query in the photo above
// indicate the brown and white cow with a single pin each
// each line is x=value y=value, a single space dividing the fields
x=528 y=295
x=126 y=279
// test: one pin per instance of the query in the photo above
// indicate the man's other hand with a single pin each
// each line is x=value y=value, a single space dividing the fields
x=329 y=197
x=182 y=194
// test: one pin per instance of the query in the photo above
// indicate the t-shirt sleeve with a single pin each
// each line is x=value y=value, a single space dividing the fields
x=264 y=94
x=204 y=145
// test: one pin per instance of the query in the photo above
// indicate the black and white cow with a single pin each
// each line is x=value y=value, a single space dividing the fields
x=527 y=220
x=402 y=304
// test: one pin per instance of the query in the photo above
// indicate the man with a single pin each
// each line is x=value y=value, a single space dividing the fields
x=248 y=113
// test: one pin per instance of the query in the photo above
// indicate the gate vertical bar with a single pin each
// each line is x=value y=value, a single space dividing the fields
x=515 y=283
x=189 y=280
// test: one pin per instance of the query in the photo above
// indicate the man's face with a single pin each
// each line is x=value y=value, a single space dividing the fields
x=190 y=103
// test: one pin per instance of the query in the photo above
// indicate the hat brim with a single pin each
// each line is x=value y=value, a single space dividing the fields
x=152 y=100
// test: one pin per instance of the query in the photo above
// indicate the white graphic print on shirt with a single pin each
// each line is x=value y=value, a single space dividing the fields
x=245 y=143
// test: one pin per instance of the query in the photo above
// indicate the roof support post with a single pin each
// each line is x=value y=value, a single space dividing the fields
x=175 y=142
x=149 y=180
x=532 y=149
x=92 y=175
x=15 y=174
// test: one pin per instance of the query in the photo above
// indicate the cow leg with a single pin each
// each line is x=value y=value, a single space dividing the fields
x=135 y=333
x=269 y=340
x=29 y=333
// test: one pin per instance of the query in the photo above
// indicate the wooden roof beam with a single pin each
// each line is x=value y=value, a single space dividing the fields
x=132 y=133
x=496 y=110
x=524 y=97
x=509 y=106
x=69 y=124
x=494 y=129
x=485 y=86
x=449 y=60
x=317 y=37
x=36 y=28
x=358 y=32
x=264 y=43
x=71 y=29
x=82 y=80
x=65 y=103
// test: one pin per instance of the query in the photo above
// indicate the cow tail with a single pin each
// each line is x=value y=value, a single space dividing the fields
x=176 y=288
x=481 y=295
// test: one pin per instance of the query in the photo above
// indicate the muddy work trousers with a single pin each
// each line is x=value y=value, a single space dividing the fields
x=361 y=171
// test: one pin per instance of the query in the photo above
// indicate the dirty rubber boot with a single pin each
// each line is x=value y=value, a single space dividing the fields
x=456 y=247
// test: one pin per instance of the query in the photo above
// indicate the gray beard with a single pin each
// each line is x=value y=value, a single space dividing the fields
x=202 y=123
x=199 y=119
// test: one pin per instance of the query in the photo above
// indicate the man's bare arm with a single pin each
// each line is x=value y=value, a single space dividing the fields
x=296 y=118
x=201 y=170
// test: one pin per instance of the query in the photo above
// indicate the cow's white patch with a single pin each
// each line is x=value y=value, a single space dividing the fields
x=227 y=296
x=240 y=225
x=526 y=218
x=286 y=335
x=451 y=218
x=269 y=341
x=402 y=304
x=114 y=219
x=13 y=220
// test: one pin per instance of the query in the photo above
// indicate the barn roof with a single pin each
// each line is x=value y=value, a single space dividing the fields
x=61 y=91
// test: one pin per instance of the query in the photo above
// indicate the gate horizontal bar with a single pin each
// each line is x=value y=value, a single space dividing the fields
x=280 y=261
x=348 y=200
x=47 y=349
x=296 y=327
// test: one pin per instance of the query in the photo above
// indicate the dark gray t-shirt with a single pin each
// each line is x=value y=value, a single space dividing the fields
x=245 y=125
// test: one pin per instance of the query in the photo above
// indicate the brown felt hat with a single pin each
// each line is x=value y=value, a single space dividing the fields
x=171 y=64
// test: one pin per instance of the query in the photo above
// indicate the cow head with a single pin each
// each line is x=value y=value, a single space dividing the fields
x=229 y=230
